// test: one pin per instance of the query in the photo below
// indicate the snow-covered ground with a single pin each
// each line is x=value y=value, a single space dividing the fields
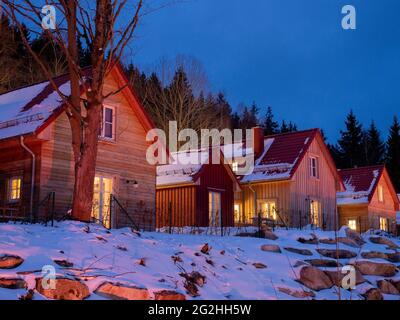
x=146 y=260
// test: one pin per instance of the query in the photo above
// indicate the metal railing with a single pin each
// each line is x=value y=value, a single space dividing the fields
x=116 y=204
x=49 y=204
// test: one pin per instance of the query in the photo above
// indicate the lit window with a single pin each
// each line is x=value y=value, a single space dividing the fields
x=237 y=213
x=380 y=194
x=268 y=209
x=314 y=167
x=108 y=123
x=383 y=224
x=352 y=224
x=235 y=167
x=14 y=188
x=315 y=213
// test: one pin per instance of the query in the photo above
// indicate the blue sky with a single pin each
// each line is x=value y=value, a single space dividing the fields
x=290 y=54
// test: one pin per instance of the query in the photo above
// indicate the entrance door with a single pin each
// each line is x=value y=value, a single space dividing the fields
x=214 y=209
x=103 y=188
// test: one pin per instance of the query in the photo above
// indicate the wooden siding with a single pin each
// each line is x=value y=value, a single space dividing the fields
x=124 y=160
x=293 y=196
x=176 y=207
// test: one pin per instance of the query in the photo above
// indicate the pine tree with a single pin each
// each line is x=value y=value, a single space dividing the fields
x=224 y=111
x=393 y=153
x=292 y=127
x=236 y=121
x=249 y=117
x=375 y=147
x=284 y=127
x=351 y=144
x=270 y=125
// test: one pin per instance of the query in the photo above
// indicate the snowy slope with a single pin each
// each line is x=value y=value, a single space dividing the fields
x=100 y=255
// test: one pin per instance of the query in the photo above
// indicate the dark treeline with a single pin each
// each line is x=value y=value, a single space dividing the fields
x=184 y=97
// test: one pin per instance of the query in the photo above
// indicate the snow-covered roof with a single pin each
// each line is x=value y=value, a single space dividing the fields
x=183 y=167
x=280 y=158
x=24 y=110
x=360 y=184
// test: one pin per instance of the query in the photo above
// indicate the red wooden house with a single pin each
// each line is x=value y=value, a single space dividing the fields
x=36 y=158
x=196 y=194
x=370 y=200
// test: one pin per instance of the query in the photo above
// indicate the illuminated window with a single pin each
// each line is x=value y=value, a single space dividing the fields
x=108 y=123
x=314 y=167
x=315 y=213
x=352 y=224
x=237 y=213
x=235 y=167
x=380 y=194
x=383 y=224
x=14 y=189
x=268 y=209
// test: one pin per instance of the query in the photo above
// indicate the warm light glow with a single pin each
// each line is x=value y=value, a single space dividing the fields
x=383 y=224
x=15 y=189
x=235 y=167
x=352 y=224
x=314 y=210
x=269 y=210
x=380 y=194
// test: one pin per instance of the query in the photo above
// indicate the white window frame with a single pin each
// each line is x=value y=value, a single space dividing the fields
x=10 y=189
x=271 y=208
x=314 y=167
x=381 y=197
x=103 y=123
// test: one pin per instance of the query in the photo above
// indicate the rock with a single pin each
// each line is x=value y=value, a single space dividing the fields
x=314 y=279
x=384 y=241
x=323 y=263
x=337 y=254
x=259 y=265
x=271 y=248
x=327 y=241
x=300 y=263
x=64 y=263
x=376 y=269
x=337 y=277
x=169 y=295
x=299 y=294
x=312 y=240
x=269 y=235
x=387 y=287
x=374 y=255
x=205 y=249
x=117 y=291
x=10 y=261
x=12 y=283
x=394 y=257
x=304 y=252
x=195 y=277
x=349 y=242
x=373 y=294
x=354 y=235
x=396 y=284
x=191 y=289
x=65 y=289
x=28 y=295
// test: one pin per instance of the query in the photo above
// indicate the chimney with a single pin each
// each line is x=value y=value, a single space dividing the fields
x=258 y=141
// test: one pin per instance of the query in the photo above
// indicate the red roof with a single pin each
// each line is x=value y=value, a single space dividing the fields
x=364 y=179
x=288 y=148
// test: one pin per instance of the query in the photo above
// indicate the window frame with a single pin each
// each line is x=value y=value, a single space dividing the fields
x=314 y=167
x=384 y=224
x=355 y=224
x=267 y=214
x=113 y=123
x=10 y=189
x=235 y=166
x=381 y=197
x=319 y=213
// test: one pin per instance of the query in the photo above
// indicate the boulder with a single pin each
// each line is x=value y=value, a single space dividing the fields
x=349 y=242
x=10 y=261
x=12 y=283
x=373 y=294
x=299 y=294
x=268 y=234
x=304 y=252
x=387 y=287
x=376 y=269
x=327 y=241
x=65 y=289
x=271 y=248
x=323 y=263
x=259 y=265
x=64 y=263
x=337 y=277
x=118 y=291
x=300 y=263
x=394 y=257
x=312 y=240
x=374 y=255
x=169 y=295
x=337 y=254
x=314 y=279
x=384 y=241
x=354 y=235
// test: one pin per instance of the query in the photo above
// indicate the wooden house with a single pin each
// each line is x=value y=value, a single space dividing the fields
x=197 y=192
x=36 y=159
x=369 y=201
x=294 y=181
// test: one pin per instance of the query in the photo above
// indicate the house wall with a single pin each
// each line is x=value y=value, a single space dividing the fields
x=354 y=212
x=176 y=206
x=124 y=160
x=293 y=197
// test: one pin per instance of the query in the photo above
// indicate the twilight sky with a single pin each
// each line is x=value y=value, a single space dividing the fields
x=290 y=54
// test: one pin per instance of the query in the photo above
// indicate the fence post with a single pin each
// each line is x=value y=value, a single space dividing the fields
x=170 y=217
x=222 y=224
